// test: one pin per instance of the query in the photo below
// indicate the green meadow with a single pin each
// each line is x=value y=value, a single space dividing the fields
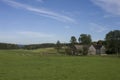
x=32 y=65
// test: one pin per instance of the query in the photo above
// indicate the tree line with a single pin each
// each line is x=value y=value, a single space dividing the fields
x=8 y=46
x=111 y=42
x=37 y=46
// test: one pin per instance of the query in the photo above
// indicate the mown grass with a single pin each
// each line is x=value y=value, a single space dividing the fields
x=49 y=51
x=45 y=50
x=16 y=66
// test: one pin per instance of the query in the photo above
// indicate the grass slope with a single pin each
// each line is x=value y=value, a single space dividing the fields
x=14 y=66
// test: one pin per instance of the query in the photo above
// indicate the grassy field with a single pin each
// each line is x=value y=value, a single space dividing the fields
x=29 y=65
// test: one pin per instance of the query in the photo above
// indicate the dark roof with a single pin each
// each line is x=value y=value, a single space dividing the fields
x=78 y=46
x=97 y=46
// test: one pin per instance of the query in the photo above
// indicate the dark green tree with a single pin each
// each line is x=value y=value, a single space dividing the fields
x=58 y=46
x=85 y=39
x=113 y=41
x=73 y=40
x=8 y=46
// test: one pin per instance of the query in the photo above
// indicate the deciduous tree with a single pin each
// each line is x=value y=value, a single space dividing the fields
x=73 y=40
x=58 y=46
x=85 y=39
x=113 y=41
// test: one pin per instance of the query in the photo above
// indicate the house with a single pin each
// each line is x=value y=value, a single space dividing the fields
x=96 y=50
x=91 y=50
x=79 y=49
x=103 y=49
x=74 y=49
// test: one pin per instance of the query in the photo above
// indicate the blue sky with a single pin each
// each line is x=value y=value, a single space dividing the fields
x=46 y=21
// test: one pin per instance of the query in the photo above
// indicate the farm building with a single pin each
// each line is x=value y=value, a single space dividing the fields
x=90 y=50
x=96 y=50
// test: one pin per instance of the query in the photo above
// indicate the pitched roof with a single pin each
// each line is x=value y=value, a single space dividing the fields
x=78 y=46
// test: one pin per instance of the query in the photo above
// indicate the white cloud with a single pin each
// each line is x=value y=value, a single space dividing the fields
x=97 y=28
x=108 y=16
x=67 y=27
x=35 y=34
x=41 y=1
x=41 y=11
x=27 y=37
x=111 y=6
x=29 y=34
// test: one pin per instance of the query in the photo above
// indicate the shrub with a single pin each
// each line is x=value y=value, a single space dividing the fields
x=85 y=50
x=68 y=51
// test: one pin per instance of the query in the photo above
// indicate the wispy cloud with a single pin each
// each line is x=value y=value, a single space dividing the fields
x=97 y=28
x=41 y=11
x=111 y=6
x=67 y=27
x=29 y=34
x=27 y=37
x=35 y=34
x=41 y=1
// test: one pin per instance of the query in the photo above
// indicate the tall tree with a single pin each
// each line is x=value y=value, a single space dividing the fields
x=85 y=39
x=58 y=46
x=113 y=41
x=73 y=40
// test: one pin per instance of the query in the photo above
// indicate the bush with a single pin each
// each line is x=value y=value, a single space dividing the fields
x=68 y=51
x=80 y=52
x=85 y=50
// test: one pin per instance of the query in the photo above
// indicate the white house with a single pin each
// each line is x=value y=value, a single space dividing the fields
x=96 y=49
x=91 y=50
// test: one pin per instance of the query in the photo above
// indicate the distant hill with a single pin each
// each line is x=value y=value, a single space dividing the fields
x=20 y=45
x=8 y=46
